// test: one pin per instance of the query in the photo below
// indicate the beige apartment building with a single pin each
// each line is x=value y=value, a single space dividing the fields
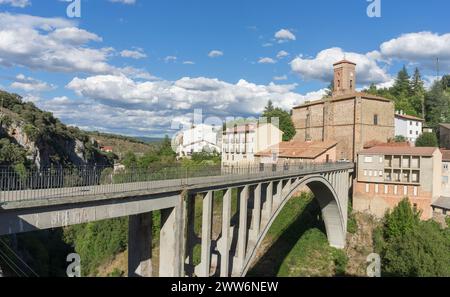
x=387 y=174
x=442 y=205
x=350 y=118
x=240 y=143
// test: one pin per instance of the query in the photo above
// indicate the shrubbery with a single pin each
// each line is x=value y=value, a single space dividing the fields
x=411 y=247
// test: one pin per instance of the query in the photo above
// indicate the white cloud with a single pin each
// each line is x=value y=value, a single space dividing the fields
x=29 y=84
x=123 y=1
x=170 y=59
x=418 y=46
x=215 y=54
x=284 y=35
x=282 y=54
x=213 y=95
x=133 y=54
x=51 y=44
x=282 y=77
x=266 y=60
x=188 y=62
x=16 y=3
x=321 y=67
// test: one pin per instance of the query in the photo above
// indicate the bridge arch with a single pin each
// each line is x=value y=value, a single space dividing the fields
x=330 y=205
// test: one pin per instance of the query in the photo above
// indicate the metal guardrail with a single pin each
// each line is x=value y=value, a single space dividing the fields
x=84 y=181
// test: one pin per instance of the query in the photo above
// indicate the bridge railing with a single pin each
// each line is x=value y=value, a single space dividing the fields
x=82 y=181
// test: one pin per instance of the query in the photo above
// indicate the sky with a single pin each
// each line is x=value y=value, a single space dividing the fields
x=143 y=67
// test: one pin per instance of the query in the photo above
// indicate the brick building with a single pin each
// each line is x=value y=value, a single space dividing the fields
x=388 y=174
x=348 y=117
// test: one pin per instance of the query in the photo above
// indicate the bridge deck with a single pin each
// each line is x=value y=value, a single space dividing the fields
x=35 y=197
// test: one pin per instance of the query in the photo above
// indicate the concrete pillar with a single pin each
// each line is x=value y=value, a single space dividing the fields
x=256 y=212
x=269 y=200
x=203 y=269
x=171 y=257
x=242 y=235
x=140 y=245
x=191 y=237
x=225 y=240
x=279 y=194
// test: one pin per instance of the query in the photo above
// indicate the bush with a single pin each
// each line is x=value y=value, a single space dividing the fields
x=427 y=140
x=410 y=247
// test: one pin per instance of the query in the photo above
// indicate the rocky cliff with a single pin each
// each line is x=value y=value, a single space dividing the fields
x=31 y=136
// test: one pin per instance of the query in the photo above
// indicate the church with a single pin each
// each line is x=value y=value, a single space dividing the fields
x=350 y=118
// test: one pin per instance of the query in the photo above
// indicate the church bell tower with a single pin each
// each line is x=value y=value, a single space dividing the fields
x=344 y=78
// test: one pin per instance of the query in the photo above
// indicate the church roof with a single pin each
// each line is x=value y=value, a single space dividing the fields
x=344 y=61
x=344 y=97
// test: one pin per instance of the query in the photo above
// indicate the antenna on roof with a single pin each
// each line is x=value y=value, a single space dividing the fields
x=437 y=68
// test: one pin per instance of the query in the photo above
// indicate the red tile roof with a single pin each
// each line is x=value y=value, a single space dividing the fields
x=402 y=150
x=445 y=155
x=409 y=117
x=299 y=149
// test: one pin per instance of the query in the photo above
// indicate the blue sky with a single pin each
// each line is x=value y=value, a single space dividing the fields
x=141 y=67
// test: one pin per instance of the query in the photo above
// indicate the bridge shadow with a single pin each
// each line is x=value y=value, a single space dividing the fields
x=270 y=263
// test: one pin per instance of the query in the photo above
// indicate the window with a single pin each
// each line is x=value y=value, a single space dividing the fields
x=417 y=132
x=410 y=122
x=370 y=172
x=367 y=159
x=375 y=120
x=395 y=190
x=415 y=191
x=445 y=167
x=365 y=172
x=367 y=188
x=386 y=189
x=376 y=189
x=445 y=180
x=405 y=190
x=417 y=124
x=410 y=132
x=351 y=84
x=381 y=159
x=380 y=173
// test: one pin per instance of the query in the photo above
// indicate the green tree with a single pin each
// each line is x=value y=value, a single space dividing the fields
x=437 y=105
x=269 y=107
x=285 y=121
x=401 y=90
x=401 y=219
x=427 y=140
x=329 y=90
x=418 y=93
x=421 y=251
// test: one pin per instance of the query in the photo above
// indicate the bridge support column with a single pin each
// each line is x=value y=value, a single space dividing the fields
x=171 y=257
x=279 y=195
x=268 y=206
x=225 y=240
x=203 y=269
x=242 y=232
x=140 y=245
x=191 y=237
x=256 y=217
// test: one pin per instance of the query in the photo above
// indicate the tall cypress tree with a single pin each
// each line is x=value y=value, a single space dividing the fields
x=418 y=93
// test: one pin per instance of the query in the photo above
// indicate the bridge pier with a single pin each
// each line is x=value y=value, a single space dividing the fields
x=171 y=257
x=225 y=241
x=242 y=231
x=203 y=269
x=140 y=245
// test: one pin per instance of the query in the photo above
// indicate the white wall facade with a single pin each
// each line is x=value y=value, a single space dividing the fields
x=196 y=140
x=410 y=129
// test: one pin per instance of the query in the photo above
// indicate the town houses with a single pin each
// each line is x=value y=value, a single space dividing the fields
x=348 y=126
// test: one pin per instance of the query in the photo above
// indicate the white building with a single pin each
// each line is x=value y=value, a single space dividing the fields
x=241 y=143
x=408 y=126
x=197 y=139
